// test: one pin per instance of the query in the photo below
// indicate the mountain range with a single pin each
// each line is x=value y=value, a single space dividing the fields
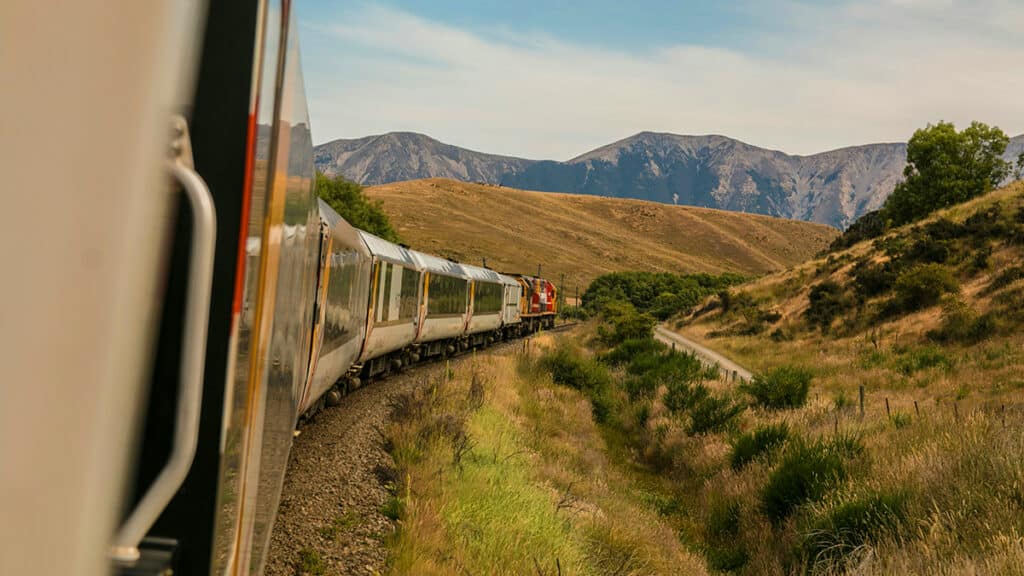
x=834 y=187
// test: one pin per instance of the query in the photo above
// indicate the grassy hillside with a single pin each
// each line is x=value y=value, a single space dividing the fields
x=586 y=236
x=927 y=322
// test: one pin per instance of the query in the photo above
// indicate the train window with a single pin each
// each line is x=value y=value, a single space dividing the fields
x=487 y=298
x=446 y=295
x=338 y=327
x=384 y=302
x=409 y=293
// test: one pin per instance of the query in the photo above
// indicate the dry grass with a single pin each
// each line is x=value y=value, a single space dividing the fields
x=535 y=494
x=943 y=424
x=586 y=236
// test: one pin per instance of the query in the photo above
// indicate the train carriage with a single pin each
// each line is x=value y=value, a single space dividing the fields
x=342 y=297
x=486 y=303
x=511 y=293
x=445 y=308
x=392 y=318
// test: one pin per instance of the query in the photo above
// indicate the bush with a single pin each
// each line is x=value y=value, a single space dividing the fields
x=659 y=293
x=806 y=473
x=753 y=445
x=349 y=201
x=863 y=519
x=722 y=528
x=922 y=286
x=629 y=349
x=713 y=414
x=626 y=324
x=567 y=368
x=1005 y=278
x=961 y=324
x=869 y=225
x=782 y=387
x=827 y=301
x=652 y=369
x=682 y=395
x=922 y=358
x=873 y=279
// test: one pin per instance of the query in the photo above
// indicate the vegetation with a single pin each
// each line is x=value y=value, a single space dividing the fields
x=659 y=294
x=518 y=478
x=808 y=470
x=757 y=443
x=946 y=167
x=780 y=388
x=349 y=201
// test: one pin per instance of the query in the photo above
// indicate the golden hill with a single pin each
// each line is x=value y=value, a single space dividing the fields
x=586 y=236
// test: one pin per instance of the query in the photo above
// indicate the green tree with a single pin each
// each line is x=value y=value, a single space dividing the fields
x=946 y=167
x=348 y=200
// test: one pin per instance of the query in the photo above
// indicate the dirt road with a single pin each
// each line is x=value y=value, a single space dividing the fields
x=703 y=353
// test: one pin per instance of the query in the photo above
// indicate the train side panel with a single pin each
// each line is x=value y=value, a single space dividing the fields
x=394 y=301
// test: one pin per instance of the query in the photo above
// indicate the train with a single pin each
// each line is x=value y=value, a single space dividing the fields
x=380 y=307
x=179 y=298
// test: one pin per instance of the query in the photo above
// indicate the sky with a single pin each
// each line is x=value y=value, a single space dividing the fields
x=551 y=79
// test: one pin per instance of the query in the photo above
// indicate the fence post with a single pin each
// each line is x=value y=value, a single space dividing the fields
x=887 y=413
x=1002 y=414
x=916 y=409
x=835 y=427
x=735 y=374
x=956 y=409
x=862 y=401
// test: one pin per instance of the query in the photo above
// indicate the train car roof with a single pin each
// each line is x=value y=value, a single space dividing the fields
x=341 y=229
x=506 y=279
x=387 y=250
x=478 y=273
x=439 y=265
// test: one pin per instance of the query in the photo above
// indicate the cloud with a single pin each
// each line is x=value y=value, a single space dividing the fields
x=819 y=77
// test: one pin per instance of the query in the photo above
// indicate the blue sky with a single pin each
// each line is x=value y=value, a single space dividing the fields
x=556 y=79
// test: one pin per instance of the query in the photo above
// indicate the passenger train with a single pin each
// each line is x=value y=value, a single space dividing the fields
x=380 y=307
x=175 y=296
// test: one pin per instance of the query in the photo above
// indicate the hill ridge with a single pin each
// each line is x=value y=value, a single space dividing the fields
x=832 y=187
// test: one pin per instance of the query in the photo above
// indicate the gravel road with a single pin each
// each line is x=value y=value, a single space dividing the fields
x=335 y=484
x=705 y=354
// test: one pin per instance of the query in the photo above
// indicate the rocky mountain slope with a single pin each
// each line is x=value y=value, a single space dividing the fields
x=832 y=188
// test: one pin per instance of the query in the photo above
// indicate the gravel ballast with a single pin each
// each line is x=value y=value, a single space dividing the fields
x=337 y=484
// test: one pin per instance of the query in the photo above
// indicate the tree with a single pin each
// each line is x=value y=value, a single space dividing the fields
x=347 y=199
x=946 y=167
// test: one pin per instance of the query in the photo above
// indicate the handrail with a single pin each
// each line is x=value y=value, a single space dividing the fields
x=125 y=548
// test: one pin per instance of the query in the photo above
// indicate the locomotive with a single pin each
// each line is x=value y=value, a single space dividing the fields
x=189 y=298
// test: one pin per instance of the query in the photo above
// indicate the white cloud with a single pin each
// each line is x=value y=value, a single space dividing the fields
x=860 y=72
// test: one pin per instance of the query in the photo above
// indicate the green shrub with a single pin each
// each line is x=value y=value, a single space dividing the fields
x=918 y=359
x=568 y=368
x=713 y=414
x=926 y=250
x=961 y=324
x=682 y=395
x=782 y=387
x=626 y=324
x=871 y=280
x=869 y=225
x=753 y=445
x=628 y=349
x=805 y=474
x=724 y=554
x=923 y=286
x=393 y=508
x=827 y=302
x=853 y=523
x=651 y=369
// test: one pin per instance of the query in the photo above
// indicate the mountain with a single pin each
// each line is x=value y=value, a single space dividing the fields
x=585 y=236
x=398 y=156
x=833 y=188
